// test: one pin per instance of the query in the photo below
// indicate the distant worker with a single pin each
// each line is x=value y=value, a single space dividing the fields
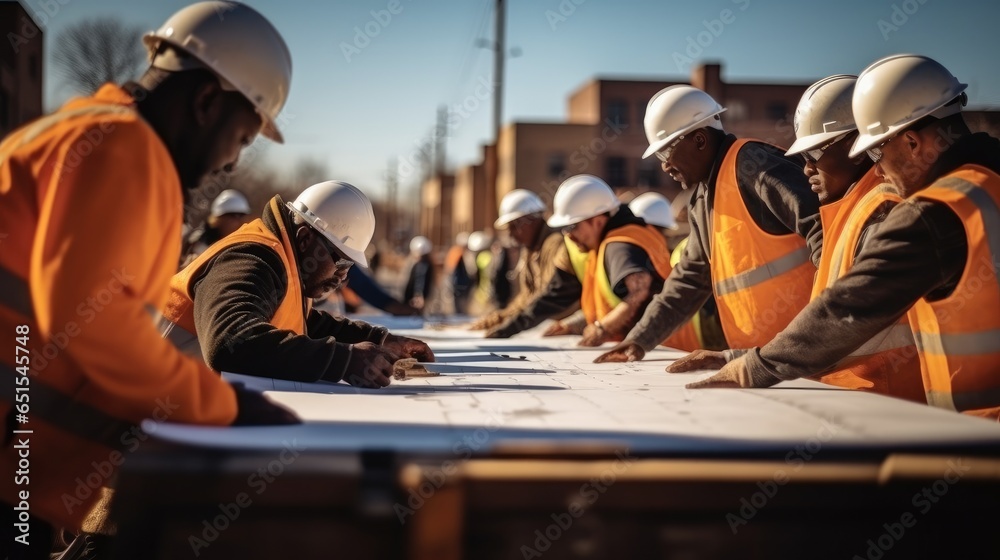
x=626 y=265
x=98 y=223
x=521 y=213
x=229 y=211
x=480 y=246
x=854 y=200
x=931 y=259
x=460 y=271
x=755 y=230
x=245 y=304
x=420 y=284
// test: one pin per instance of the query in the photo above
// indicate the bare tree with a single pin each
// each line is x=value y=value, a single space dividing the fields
x=93 y=52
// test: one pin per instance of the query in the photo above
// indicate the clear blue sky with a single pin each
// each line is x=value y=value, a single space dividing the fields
x=354 y=115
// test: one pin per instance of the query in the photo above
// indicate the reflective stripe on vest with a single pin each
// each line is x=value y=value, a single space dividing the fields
x=847 y=241
x=763 y=273
x=761 y=280
x=958 y=337
x=42 y=125
x=67 y=414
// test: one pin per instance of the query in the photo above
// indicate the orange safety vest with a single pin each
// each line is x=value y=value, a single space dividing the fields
x=91 y=205
x=290 y=315
x=598 y=297
x=761 y=281
x=888 y=363
x=958 y=337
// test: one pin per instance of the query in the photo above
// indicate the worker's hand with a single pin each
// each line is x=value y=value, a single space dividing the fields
x=624 y=352
x=495 y=332
x=417 y=302
x=559 y=329
x=734 y=375
x=407 y=347
x=370 y=366
x=593 y=336
x=699 y=359
x=254 y=409
x=487 y=322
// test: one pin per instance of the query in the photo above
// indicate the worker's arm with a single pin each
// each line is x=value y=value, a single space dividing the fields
x=562 y=294
x=106 y=247
x=919 y=251
x=234 y=300
x=777 y=195
x=684 y=292
x=320 y=324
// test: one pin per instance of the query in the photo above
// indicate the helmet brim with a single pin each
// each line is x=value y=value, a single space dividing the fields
x=358 y=257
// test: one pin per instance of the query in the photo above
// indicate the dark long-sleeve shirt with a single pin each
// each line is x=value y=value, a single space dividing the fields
x=777 y=196
x=918 y=251
x=236 y=295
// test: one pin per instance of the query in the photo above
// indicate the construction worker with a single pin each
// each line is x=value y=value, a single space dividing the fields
x=932 y=259
x=626 y=264
x=460 y=272
x=656 y=211
x=854 y=200
x=91 y=202
x=245 y=304
x=755 y=230
x=420 y=284
x=480 y=244
x=520 y=213
x=229 y=211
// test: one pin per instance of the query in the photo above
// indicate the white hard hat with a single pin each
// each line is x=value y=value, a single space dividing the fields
x=654 y=208
x=342 y=213
x=581 y=197
x=230 y=201
x=896 y=91
x=677 y=110
x=420 y=245
x=236 y=43
x=479 y=241
x=518 y=203
x=824 y=113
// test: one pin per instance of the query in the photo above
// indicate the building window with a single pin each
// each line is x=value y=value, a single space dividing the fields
x=735 y=110
x=649 y=173
x=557 y=165
x=777 y=110
x=616 y=175
x=618 y=112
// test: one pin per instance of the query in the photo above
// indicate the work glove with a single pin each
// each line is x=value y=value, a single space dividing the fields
x=699 y=359
x=370 y=366
x=593 y=335
x=625 y=351
x=732 y=375
x=254 y=409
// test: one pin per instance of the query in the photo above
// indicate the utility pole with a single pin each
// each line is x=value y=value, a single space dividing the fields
x=440 y=133
x=493 y=166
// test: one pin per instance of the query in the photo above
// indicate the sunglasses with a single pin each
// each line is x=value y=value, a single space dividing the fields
x=814 y=155
x=340 y=260
x=666 y=152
